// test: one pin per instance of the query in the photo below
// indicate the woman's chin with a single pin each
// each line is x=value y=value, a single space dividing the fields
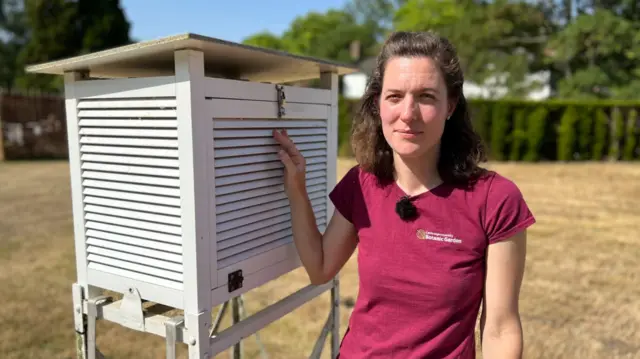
x=409 y=150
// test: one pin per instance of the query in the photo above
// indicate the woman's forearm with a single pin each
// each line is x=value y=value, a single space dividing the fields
x=505 y=342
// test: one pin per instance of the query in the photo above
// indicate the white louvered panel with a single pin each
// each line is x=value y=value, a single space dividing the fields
x=253 y=213
x=131 y=188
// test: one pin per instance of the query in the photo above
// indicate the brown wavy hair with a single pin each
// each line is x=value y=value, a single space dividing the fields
x=461 y=148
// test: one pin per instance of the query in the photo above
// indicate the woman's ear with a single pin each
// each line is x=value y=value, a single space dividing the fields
x=451 y=107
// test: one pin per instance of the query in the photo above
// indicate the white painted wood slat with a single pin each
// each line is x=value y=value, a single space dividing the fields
x=131 y=188
x=127 y=89
x=263 y=166
x=105 y=167
x=267 y=133
x=117 y=212
x=112 y=268
x=169 y=258
x=244 y=124
x=128 y=113
x=129 y=204
x=243 y=90
x=252 y=150
x=247 y=204
x=223 y=108
x=268 y=157
x=117 y=177
x=133 y=232
x=266 y=213
x=137 y=259
x=257 y=175
x=267 y=182
x=123 y=141
x=261 y=141
x=140 y=243
x=129 y=151
x=130 y=160
x=132 y=123
x=152 y=103
x=129 y=132
x=113 y=262
x=134 y=224
x=143 y=199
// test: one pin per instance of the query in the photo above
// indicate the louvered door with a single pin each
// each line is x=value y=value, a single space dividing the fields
x=253 y=218
x=131 y=188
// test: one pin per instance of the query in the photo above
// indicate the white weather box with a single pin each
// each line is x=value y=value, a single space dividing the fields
x=177 y=189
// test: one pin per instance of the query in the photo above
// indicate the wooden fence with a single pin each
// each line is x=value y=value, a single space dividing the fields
x=32 y=126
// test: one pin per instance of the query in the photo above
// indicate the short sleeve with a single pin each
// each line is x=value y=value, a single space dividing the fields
x=342 y=195
x=506 y=211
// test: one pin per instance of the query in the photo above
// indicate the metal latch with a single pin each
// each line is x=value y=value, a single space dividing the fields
x=235 y=280
x=281 y=100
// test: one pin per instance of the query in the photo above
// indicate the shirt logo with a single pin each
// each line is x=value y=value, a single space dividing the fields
x=438 y=237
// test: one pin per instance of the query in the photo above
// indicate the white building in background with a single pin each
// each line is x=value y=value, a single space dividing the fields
x=354 y=85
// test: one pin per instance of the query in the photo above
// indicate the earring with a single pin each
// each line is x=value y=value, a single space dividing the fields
x=448 y=117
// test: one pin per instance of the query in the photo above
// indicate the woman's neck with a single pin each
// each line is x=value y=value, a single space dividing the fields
x=417 y=175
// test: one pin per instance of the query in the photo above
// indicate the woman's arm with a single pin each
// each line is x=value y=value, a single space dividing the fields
x=500 y=326
x=321 y=255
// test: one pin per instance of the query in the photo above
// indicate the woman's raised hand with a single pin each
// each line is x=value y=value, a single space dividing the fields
x=294 y=164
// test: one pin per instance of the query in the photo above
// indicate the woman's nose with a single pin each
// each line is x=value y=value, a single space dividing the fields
x=408 y=109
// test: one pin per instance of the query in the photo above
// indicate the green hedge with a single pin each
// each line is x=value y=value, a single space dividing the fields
x=554 y=130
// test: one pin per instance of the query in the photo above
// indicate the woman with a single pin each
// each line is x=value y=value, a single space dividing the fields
x=436 y=234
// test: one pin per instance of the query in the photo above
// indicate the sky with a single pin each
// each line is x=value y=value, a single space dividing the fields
x=230 y=20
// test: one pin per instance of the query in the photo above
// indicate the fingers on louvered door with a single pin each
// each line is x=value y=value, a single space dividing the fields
x=253 y=216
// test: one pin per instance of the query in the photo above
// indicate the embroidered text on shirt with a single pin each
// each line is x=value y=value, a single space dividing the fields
x=439 y=237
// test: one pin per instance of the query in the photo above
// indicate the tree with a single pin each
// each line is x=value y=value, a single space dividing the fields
x=599 y=55
x=265 y=39
x=326 y=35
x=376 y=15
x=500 y=42
x=13 y=29
x=61 y=28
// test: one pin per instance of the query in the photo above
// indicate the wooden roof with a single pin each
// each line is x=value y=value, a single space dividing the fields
x=222 y=59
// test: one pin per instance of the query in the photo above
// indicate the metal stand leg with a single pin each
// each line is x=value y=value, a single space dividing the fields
x=85 y=324
x=218 y=320
x=92 y=318
x=332 y=324
x=335 y=313
x=238 y=313
x=171 y=326
x=243 y=314
x=236 y=352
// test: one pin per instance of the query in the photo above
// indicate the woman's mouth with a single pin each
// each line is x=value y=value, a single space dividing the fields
x=408 y=133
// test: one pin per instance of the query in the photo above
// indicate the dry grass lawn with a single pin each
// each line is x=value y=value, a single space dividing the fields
x=580 y=298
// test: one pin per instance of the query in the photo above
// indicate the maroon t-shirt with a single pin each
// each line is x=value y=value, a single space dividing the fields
x=421 y=282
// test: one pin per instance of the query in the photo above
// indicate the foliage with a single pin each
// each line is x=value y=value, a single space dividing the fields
x=14 y=30
x=600 y=54
x=582 y=50
x=46 y=30
x=587 y=52
x=499 y=43
x=532 y=131
x=326 y=36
